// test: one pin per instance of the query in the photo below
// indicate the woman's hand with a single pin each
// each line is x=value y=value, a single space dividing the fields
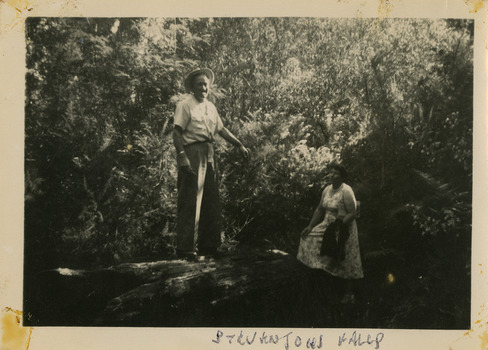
x=306 y=231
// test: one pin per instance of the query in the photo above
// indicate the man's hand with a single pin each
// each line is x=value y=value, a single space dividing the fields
x=229 y=137
x=184 y=164
x=181 y=157
x=244 y=151
x=187 y=169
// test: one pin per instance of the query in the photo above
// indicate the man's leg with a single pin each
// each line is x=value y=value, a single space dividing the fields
x=210 y=215
x=185 y=218
x=190 y=195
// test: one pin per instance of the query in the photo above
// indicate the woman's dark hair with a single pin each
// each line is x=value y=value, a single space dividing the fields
x=339 y=167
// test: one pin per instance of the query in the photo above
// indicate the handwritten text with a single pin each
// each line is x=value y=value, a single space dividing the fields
x=288 y=340
x=355 y=339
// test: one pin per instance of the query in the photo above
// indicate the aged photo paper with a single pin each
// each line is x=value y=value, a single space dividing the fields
x=13 y=14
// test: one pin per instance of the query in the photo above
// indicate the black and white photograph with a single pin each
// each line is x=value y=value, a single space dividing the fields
x=250 y=173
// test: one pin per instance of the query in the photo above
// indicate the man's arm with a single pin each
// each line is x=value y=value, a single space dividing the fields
x=229 y=137
x=181 y=157
x=178 y=139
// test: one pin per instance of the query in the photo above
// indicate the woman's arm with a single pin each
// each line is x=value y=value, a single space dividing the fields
x=350 y=204
x=318 y=215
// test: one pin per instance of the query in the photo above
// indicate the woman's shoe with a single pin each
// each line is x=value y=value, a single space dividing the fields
x=348 y=299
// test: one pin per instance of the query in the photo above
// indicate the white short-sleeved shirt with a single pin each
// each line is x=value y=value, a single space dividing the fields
x=199 y=121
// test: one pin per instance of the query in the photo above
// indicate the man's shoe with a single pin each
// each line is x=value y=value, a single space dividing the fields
x=187 y=255
x=210 y=252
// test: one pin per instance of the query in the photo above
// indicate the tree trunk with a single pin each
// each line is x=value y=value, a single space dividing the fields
x=268 y=289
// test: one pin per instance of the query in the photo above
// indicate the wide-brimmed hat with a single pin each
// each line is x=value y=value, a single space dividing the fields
x=189 y=78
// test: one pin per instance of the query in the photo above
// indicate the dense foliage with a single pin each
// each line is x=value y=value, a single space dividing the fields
x=391 y=98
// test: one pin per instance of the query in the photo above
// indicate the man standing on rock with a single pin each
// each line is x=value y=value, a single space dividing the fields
x=198 y=222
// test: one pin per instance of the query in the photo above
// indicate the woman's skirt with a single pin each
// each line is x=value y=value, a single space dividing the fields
x=349 y=268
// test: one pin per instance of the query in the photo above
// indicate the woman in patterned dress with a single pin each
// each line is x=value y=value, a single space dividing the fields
x=337 y=203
